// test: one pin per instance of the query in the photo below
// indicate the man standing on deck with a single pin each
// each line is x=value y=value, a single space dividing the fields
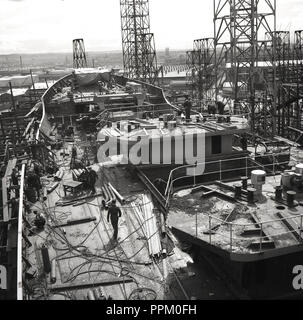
x=187 y=106
x=114 y=213
x=74 y=152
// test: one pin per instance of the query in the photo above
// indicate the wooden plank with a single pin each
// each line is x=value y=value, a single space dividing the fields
x=90 y=284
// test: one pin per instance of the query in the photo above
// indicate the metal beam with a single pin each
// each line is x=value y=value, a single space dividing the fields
x=91 y=284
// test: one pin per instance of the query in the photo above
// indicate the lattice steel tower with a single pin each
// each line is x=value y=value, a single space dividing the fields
x=139 y=54
x=241 y=54
x=79 y=55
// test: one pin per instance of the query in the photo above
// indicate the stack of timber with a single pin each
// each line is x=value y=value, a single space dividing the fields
x=145 y=215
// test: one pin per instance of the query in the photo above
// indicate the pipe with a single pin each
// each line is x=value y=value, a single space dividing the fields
x=110 y=193
x=106 y=196
x=118 y=195
x=90 y=295
x=44 y=194
x=163 y=228
x=53 y=272
x=53 y=187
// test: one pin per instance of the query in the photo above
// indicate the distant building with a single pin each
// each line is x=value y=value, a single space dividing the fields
x=167 y=55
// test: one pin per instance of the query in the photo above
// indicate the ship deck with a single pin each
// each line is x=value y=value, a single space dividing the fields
x=87 y=258
x=210 y=214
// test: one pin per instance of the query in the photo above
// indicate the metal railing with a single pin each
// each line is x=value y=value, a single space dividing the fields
x=154 y=109
x=232 y=242
x=230 y=237
x=20 y=238
x=250 y=164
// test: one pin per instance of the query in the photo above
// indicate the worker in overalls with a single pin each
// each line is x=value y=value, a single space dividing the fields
x=73 y=157
x=33 y=181
x=187 y=108
x=39 y=221
x=74 y=152
x=15 y=182
x=114 y=213
x=243 y=142
x=220 y=107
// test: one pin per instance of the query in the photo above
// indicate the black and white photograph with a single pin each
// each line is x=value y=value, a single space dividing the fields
x=151 y=153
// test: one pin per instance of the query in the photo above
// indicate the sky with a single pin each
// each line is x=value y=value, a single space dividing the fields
x=41 y=26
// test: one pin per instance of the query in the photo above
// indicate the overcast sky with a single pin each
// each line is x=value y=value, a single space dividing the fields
x=34 y=26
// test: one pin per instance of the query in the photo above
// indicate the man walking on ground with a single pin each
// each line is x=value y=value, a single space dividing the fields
x=114 y=213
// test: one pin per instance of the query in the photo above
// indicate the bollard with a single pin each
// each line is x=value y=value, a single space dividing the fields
x=244 y=182
x=251 y=195
x=291 y=195
x=238 y=191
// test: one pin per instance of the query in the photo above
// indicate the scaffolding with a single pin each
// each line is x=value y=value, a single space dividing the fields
x=138 y=45
x=79 y=55
x=200 y=63
x=240 y=27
